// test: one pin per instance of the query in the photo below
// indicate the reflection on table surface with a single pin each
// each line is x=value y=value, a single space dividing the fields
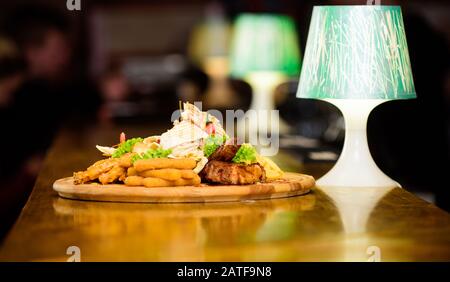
x=183 y=231
x=324 y=225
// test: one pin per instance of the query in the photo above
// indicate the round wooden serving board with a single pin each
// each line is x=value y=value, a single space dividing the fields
x=292 y=184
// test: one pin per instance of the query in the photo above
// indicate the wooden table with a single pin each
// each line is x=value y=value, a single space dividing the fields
x=325 y=225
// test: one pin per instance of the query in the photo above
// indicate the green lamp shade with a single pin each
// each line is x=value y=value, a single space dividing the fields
x=356 y=52
x=264 y=42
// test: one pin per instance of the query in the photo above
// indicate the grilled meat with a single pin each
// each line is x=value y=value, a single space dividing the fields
x=225 y=153
x=231 y=173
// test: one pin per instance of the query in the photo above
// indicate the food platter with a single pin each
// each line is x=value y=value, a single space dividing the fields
x=194 y=161
x=291 y=184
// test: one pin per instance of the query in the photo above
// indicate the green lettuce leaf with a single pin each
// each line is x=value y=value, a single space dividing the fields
x=152 y=154
x=126 y=147
x=212 y=143
x=245 y=155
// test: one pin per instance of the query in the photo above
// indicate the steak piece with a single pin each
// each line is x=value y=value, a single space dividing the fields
x=231 y=173
x=225 y=153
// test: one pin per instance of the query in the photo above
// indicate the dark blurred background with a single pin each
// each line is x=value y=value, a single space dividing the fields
x=132 y=61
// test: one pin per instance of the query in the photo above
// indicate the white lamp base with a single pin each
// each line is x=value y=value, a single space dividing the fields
x=355 y=166
x=263 y=84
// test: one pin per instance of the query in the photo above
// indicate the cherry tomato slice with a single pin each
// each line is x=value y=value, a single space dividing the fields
x=122 y=137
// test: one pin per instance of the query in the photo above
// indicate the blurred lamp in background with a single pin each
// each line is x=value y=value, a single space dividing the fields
x=208 y=49
x=356 y=58
x=265 y=53
x=209 y=42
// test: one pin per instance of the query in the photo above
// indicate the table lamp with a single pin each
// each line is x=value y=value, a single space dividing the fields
x=210 y=40
x=264 y=52
x=356 y=58
x=208 y=48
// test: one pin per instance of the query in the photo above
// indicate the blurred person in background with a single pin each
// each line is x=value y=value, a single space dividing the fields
x=40 y=91
x=114 y=89
x=17 y=171
x=12 y=69
x=53 y=92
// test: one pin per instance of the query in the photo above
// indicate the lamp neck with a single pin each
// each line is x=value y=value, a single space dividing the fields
x=355 y=111
x=265 y=80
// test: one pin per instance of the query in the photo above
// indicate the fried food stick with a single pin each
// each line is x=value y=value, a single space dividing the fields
x=125 y=160
x=142 y=165
x=188 y=174
x=133 y=181
x=80 y=177
x=123 y=176
x=158 y=182
x=94 y=171
x=170 y=174
x=109 y=177
x=100 y=167
x=187 y=182
x=131 y=171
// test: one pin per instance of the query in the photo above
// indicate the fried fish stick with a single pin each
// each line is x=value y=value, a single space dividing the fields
x=131 y=171
x=165 y=173
x=112 y=175
x=134 y=181
x=156 y=182
x=188 y=174
x=142 y=165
